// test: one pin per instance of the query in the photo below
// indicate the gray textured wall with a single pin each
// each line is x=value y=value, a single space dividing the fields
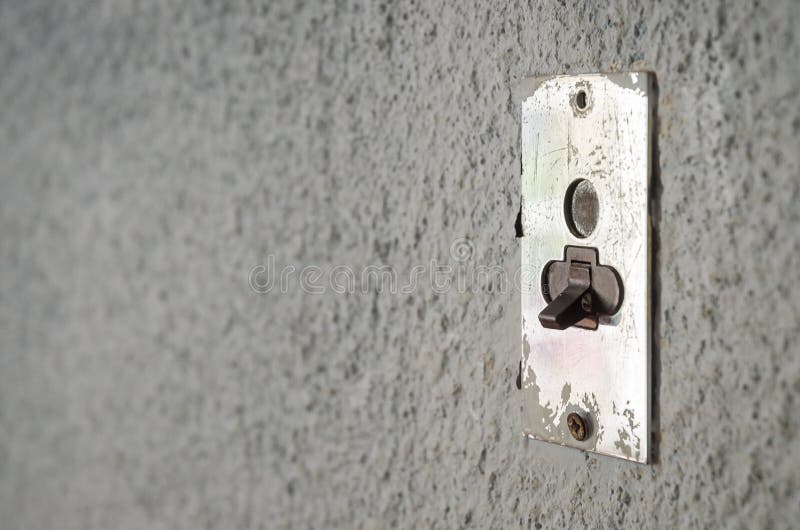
x=151 y=155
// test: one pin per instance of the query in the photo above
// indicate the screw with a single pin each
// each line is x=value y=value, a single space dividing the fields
x=577 y=426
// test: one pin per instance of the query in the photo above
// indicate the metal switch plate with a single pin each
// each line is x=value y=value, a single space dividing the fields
x=598 y=128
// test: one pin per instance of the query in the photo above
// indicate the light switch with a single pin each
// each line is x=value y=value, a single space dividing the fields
x=586 y=328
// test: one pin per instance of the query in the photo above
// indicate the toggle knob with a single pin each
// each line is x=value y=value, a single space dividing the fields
x=578 y=290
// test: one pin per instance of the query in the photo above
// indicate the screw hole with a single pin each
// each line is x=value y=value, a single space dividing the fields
x=580 y=100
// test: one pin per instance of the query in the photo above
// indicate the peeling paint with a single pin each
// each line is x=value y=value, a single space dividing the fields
x=565 y=392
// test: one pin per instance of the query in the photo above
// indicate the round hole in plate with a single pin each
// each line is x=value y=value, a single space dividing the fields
x=581 y=208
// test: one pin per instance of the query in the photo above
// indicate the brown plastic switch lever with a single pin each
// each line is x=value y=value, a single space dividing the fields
x=578 y=290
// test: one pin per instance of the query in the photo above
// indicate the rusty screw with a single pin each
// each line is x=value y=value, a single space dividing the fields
x=577 y=426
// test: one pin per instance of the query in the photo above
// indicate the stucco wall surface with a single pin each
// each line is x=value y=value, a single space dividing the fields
x=153 y=153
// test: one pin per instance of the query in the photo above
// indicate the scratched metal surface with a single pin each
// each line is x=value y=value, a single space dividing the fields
x=605 y=373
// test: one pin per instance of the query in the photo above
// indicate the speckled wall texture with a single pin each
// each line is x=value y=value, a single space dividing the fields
x=153 y=154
